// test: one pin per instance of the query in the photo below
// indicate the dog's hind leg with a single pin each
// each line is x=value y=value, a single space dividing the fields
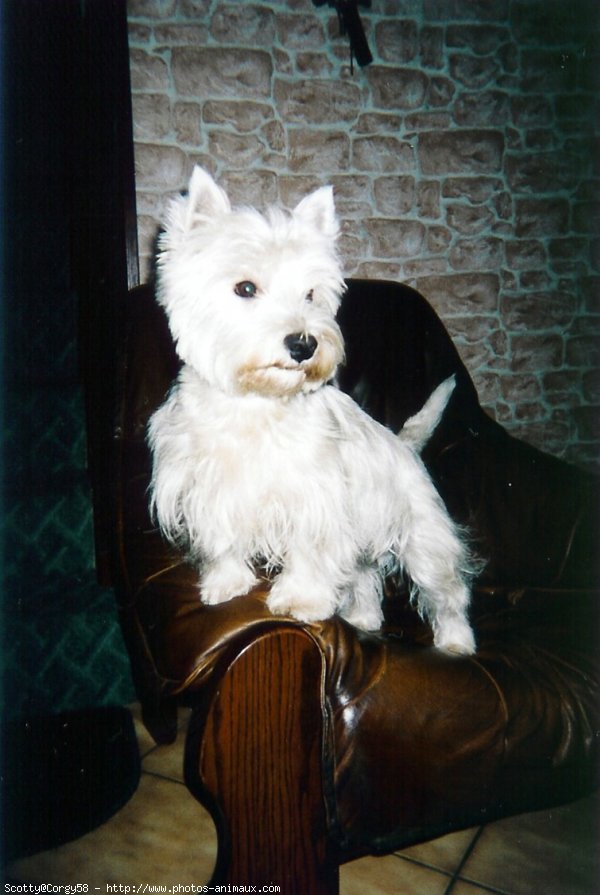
x=440 y=567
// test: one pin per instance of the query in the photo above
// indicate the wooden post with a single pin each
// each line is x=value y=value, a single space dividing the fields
x=256 y=763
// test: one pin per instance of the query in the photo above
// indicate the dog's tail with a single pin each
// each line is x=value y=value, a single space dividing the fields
x=418 y=429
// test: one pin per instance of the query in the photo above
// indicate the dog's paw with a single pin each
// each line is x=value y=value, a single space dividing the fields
x=362 y=606
x=225 y=581
x=455 y=636
x=365 y=619
x=306 y=603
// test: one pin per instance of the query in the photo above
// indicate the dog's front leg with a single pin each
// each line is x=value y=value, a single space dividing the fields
x=363 y=605
x=225 y=577
x=303 y=590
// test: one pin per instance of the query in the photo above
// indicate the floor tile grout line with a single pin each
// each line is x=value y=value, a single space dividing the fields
x=470 y=849
x=466 y=855
x=482 y=887
x=157 y=775
x=149 y=751
x=452 y=874
x=423 y=864
x=453 y=877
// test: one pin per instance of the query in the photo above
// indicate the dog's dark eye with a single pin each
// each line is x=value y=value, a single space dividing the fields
x=245 y=289
x=309 y=295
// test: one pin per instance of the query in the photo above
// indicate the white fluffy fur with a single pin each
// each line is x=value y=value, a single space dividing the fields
x=258 y=459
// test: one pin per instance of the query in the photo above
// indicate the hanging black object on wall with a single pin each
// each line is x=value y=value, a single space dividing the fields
x=351 y=25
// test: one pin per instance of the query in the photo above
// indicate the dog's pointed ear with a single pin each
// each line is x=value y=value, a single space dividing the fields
x=318 y=210
x=205 y=199
x=203 y=202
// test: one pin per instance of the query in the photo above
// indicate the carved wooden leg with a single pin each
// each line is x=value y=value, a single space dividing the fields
x=255 y=760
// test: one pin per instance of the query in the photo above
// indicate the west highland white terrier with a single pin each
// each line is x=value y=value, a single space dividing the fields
x=259 y=460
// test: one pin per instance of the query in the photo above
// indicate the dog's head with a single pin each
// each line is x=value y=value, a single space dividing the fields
x=251 y=298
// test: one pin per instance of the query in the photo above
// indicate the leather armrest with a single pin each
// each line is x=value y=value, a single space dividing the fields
x=421 y=742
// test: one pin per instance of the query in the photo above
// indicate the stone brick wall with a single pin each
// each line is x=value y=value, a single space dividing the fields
x=462 y=160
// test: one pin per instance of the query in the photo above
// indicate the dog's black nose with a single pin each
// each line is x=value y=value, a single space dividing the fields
x=300 y=346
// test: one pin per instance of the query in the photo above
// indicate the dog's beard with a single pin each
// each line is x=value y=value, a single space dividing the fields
x=284 y=379
x=272 y=381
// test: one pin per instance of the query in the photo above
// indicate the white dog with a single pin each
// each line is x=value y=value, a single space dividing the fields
x=258 y=459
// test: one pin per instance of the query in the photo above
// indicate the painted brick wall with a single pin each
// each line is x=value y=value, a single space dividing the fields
x=462 y=159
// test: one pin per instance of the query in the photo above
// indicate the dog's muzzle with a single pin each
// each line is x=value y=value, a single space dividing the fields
x=300 y=346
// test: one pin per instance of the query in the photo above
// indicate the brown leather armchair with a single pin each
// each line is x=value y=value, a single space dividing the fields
x=315 y=744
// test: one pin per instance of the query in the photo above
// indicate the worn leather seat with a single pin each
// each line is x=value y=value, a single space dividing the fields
x=315 y=744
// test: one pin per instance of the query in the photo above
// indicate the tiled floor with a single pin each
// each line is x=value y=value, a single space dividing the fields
x=163 y=836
